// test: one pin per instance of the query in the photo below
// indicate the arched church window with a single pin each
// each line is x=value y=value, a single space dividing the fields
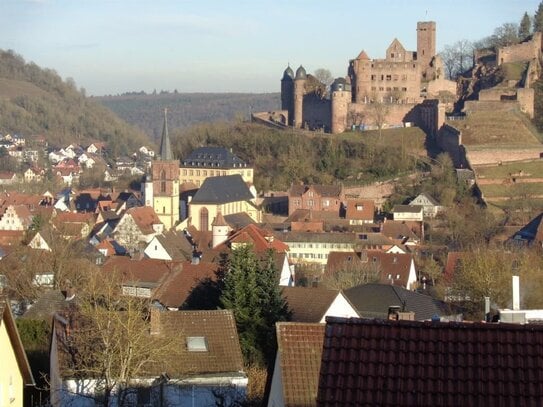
x=204 y=220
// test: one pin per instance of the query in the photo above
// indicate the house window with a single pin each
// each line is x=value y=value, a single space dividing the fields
x=310 y=202
x=359 y=207
x=163 y=209
x=326 y=202
x=196 y=344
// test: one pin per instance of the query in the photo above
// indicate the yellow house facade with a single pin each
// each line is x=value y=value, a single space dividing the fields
x=15 y=372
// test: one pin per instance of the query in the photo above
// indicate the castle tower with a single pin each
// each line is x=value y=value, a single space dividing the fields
x=299 y=92
x=165 y=179
x=426 y=43
x=341 y=99
x=219 y=229
x=287 y=93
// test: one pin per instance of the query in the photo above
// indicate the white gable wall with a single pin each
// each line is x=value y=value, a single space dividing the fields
x=340 y=307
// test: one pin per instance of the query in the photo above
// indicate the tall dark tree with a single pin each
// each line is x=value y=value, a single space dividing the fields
x=525 y=26
x=538 y=18
x=251 y=291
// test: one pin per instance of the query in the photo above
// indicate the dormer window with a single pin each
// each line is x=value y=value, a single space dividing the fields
x=197 y=344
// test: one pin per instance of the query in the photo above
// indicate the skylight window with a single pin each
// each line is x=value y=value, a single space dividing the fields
x=196 y=344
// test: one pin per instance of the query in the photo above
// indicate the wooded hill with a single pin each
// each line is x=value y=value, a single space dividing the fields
x=35 y=101
x=186 y=109
x=281 y=157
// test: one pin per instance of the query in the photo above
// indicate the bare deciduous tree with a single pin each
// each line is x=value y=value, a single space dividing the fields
x=353 y=273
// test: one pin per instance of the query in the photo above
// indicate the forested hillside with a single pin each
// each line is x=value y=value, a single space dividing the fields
x=281 y=157
x=186 y=109
x=34 y=101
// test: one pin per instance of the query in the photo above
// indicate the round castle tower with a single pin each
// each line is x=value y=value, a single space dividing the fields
x=287 y=93
x=340 y=101
x=299 y=92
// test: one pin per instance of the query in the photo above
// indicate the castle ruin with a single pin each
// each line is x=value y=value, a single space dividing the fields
x=401 y=81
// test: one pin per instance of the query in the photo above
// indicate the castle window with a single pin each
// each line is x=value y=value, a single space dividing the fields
x=389 y=77
x=392 y=55
x=191 y=173
x=381 y=88
x=163 y=209
x=162 y=187
x=373 y=77
x=382 y=77
x=204 y=173
x=184 y=172
x=404 y=89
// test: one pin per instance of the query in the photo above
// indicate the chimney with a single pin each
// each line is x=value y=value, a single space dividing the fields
x=155 y=320
x=516 y=293
x=487 y=309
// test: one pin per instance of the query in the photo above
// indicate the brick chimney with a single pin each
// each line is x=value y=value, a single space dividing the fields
x=155 y=320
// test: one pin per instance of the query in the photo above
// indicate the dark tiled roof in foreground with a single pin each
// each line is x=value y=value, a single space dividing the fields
x=408 y=363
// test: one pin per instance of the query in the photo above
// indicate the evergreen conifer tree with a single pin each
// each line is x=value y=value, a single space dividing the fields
x=252 y=292
x=524 y=27
x=538 y=18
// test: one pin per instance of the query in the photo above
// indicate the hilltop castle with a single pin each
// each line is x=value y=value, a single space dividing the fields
x=402 y=80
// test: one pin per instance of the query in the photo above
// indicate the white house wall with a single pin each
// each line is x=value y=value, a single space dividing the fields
x=340 y=307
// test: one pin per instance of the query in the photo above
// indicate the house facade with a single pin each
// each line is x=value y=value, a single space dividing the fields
x=15 y=373
x=316 y=197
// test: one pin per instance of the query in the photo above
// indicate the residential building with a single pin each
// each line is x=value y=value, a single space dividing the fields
x=137 y=227
x=408 y=213
x=16 y=217
x=15 y=374
x=295 y=378
x=360 y=211
x=411 y=363
x=385 y=301
x=207 y=365
x=313 y=247
x=315 y=304
x=429 y=205
x=316 y=197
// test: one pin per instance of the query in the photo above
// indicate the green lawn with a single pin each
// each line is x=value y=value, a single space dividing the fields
x=512 y=190
x=533 y=169
x=496 y=128
x=412 y=137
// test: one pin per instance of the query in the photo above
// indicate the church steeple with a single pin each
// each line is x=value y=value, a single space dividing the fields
x=165 y=147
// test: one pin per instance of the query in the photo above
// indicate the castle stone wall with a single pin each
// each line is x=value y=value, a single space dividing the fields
x=396 y=114
x=496 y=156
x=490 y=105
x=450 y=141
x=526 y=97
x=316 y=113
x=496 y=94
x=525 y=51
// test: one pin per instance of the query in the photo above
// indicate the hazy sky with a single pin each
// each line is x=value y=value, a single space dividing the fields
x=113 y=46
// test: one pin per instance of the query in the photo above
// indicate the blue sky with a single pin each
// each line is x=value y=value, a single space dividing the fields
x=113 y=46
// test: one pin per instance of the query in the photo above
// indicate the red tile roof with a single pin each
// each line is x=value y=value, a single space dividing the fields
x=299 y=353
x=261 y=239
x=360 y=209
x=408 y=363
x=145 y=217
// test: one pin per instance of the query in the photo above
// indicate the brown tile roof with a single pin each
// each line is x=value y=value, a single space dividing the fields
x=218 y=327
x=16 y=198
x=300 y=215
x=74 y=217
x=453 y=259
x=145 y=217
x=177 y=287
x=360 y=209
x=398 y=231
x=140 y=271
x=299 y=356
x=408 y=363
x=107 y=246
x=7 y=175
x=321 y=190
x=309 y=304
x=176 y=244
x=11 y=237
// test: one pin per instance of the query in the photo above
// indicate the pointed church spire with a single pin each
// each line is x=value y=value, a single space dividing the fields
x=165 y=147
